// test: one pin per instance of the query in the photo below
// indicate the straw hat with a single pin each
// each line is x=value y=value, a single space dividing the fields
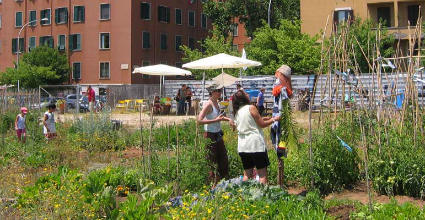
x=285 y=70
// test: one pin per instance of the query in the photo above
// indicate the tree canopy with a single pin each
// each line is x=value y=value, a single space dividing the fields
x=284 y=45
x=251 y=13
x=42 y=66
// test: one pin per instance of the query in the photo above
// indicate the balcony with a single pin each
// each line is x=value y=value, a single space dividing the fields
x=397 y=15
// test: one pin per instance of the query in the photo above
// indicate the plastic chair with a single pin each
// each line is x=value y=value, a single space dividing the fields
x=139 y=104
x=121 y=105
x=129 y=104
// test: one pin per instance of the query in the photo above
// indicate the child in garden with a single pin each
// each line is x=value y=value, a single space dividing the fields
x=49 y=122
x=157 y=105
x=20 y=125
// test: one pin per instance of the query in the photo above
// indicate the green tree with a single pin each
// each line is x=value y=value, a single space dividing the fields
x=284 y=45
x=43 y=66
x=365 y=32
x=251 y=13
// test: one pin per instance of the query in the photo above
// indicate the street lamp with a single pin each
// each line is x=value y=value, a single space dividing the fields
x=18 y=49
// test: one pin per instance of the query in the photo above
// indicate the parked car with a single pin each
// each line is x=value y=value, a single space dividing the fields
x=71 y=100
x=45 y=101
x=84 y=103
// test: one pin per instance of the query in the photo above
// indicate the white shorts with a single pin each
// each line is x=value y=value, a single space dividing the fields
x=91 y=106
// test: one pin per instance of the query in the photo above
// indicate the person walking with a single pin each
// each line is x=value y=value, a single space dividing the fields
x=251 y=142
x=49 y=122
x=91 y=95
x=20 y=125
x=211 y=118
x=260 y=101
x=181 y=99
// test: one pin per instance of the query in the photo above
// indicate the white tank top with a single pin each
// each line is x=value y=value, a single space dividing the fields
x=21 y=122
x=250 y=135
x=214 y=127
x=50 y=122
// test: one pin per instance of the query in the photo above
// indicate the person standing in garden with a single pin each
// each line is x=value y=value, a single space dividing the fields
x=260 y=101
x=181 y=99
x=91 y=95
x=20 y=125
x=211 y=118
x=251 y=142
x=49 y=122
x=188 y=99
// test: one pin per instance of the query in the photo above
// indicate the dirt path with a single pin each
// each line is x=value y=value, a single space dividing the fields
x=359 y=193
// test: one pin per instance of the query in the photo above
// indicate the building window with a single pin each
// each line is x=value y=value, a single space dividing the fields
x=235 y=30
x=32 y=44
x=146 y=40
x=79 y=13
x=75 y=42
x=146 y=11
x=163 y=40
x=15 y=45
x=105 y=11
x=163 y=13
x=61 y=15
x=413 y=14
x=104 y=41
x=45 y=13
x=204 y=21
x=179 y=16
x=234 y=47
x=178 y=43
x=163 y=62
x=46 y=40
x=192 y=18
x=61 y=42
x=33 y=18
x=18 y=19
x=76 y=70
x=0 y=20
x=191 y=44
x=146 y=63
x=384 y=16
x=104 y=70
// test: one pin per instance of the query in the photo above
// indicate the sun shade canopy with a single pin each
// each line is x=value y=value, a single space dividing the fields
x=221 y=61
x=162 y=70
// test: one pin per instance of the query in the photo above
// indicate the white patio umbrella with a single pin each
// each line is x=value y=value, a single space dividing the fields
x=162 y=70
x=224 y=80
x=221 y=61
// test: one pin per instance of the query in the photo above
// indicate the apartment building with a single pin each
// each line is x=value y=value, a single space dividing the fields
x=397 y=14
x=103 y=39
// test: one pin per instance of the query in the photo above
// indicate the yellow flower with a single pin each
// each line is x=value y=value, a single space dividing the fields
x=209 y=211
x=186 y=191
x=226 y=197
x=267 y=206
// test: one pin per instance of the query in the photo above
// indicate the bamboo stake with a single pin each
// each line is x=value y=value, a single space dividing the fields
x=178 y=158
x=168 y=151
x=150 y=144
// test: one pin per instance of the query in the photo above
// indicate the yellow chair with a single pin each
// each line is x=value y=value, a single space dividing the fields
x=139 y=104
x=129 y=104
x=121 y=105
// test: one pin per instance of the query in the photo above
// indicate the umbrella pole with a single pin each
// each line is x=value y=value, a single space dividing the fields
x=160 y=86
x=203 y=85
x=222 y=81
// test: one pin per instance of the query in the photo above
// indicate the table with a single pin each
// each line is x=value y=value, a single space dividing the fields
x=266 y=105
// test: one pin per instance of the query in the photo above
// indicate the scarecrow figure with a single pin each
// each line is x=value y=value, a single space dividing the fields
x=282 y=131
